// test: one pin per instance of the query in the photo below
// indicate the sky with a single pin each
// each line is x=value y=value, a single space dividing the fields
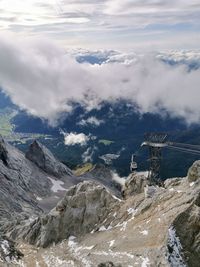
x=106 y=24
x=43 y=77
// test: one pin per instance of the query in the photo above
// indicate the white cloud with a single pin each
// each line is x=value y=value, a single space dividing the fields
x=91 y=121
x=71 y=139
x=89 y=154
x=118 y=179
x=41 y=78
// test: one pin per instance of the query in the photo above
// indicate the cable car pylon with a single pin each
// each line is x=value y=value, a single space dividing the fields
x=156 y=142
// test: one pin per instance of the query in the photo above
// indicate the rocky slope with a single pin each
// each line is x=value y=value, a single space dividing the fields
x=45 y=160
x=84 y=205
x=24 y=184
x=91 y=227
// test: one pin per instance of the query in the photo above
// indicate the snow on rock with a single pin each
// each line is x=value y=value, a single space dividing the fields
x=57 y=185
x=145 y=262
x=76 y=252
x=102 y=228
x=174 y=254
x=131 y=211
x=8 y=253
x=111 y=243
x=52 y=261
x=191 y=184
x=114 y=254
x=145 y=232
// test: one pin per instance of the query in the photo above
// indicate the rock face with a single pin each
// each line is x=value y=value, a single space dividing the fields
x=45 y=160
x=24 y=184
x=134 y=185
x=20 y=180
x=187 y=227
x=194 y=171
x=83 y=207
x=104 y=175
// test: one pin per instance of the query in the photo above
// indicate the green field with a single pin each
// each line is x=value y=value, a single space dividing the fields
x=6 y=126
x=83 y=169
x=106 y=142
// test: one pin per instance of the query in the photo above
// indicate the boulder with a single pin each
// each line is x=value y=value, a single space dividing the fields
x=45 y=160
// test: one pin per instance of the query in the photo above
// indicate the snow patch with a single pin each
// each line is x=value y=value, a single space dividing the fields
x=145 y=262
x=131 y=211
x=102 y=228
x=57 y=185
x=76 y=251
x=174 y=254
x=37 y=197
x=191 y=184
x=111 y=243
x=5 y=247
x=113 y=254
x=145 y=232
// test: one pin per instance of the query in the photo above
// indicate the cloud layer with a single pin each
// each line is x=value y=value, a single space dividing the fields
x=44 y=80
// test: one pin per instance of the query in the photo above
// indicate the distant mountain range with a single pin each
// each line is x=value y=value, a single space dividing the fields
x=189 y=58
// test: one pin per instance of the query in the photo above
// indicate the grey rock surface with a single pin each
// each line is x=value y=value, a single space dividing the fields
x=8 y=251
x=84 y=206
x=109 y=264
x=134 y=185
x=23 y=185
x=20 y=182
x=45 y=160
x=194 y=172
x=104 y=175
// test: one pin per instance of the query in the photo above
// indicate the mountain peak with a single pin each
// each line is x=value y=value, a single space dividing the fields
x=45 y=160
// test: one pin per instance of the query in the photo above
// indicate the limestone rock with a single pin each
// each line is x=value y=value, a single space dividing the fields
x=150 y=191
x=83 y=206
x=187 y=226
x=20 y=180
x=169 y=183
x=45 y=160
x=104 y=175
x=194 y=172
x=134 y=185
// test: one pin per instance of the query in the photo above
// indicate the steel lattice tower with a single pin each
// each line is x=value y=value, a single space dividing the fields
x=155 y=142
